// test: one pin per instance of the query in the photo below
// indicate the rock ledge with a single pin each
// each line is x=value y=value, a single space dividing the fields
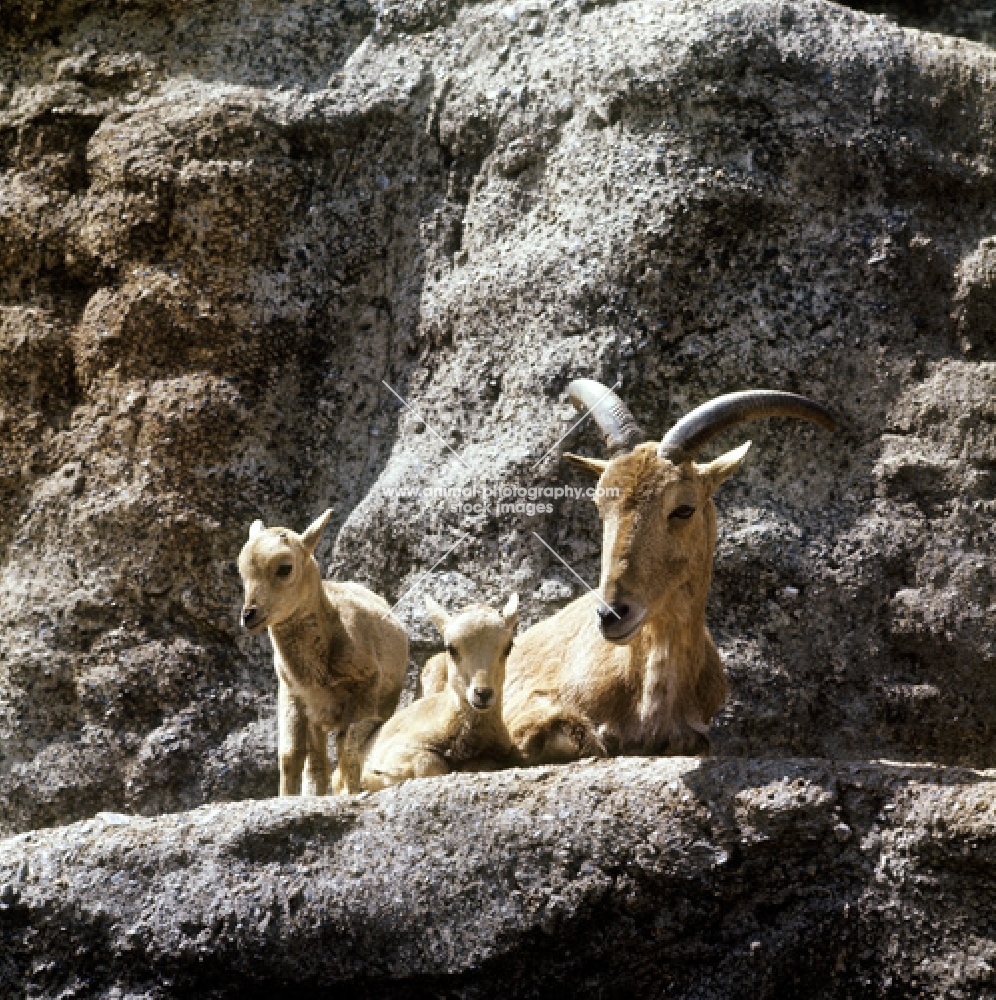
x=651 y=877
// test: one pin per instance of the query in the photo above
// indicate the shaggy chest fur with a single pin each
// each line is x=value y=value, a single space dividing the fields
x=647 y=719
x=307 y=657
x=639 y=702
x=624 y=704
x=320 y=671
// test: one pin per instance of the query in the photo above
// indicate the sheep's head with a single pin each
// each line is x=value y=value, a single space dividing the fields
x=659 y=532
x=278 y=568
x=478 y=641
x=655 y=501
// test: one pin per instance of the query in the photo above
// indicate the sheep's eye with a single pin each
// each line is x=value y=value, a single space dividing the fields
x=452 y=650
x=284 y=570
x=684 y=512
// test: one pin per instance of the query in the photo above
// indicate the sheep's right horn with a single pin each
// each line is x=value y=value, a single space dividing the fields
x=617 y=424
x=694 y=430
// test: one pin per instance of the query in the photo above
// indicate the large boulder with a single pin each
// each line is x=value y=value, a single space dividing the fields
x=259 y=258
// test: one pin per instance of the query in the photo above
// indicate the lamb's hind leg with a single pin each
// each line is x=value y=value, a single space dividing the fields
x=292 y=740
x=349 y=750
x=317 y=768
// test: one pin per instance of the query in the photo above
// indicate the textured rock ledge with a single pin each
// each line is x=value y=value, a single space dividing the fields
x=224 y=226
x=651 y=877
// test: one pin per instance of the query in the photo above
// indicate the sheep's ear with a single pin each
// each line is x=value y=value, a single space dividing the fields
x=437 y=616
x=719 y=469
x=313 y=532
x=256 y=528
x=591 y=464
x=511 y=611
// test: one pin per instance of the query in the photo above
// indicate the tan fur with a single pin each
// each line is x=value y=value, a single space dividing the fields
x=339 y=656
x=569 y=692
x=444 y=731
x=433 y=677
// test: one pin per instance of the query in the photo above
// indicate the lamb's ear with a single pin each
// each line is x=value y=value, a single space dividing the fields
x=511 y=611
x=313 y=532
x=595 y=465
x=437 y=615
x=719 y=469
x=256 y=528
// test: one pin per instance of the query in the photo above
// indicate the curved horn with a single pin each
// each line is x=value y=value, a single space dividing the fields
x=621 y=431
x=683 y=441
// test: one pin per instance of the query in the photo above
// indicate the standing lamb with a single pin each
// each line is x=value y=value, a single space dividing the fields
x=340 y=657
x=460 y=728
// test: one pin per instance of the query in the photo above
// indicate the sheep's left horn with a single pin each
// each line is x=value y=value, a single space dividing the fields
x=694 y=430
x=617 y=424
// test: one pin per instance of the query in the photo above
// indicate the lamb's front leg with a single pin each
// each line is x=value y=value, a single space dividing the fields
x=316 y=767
x=292 y=739
x=427 y=764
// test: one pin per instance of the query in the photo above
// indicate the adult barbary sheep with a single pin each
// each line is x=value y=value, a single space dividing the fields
x=339 y=655
x=460 y=728
x=632 y=668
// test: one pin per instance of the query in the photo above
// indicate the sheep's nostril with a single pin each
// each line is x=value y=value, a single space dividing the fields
x=249 y=616
x=612 y=613
x=620 y=621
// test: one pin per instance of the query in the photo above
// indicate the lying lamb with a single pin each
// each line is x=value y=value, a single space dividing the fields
x=460 y=728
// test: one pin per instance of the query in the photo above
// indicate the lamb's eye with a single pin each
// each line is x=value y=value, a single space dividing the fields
x=453 y=651
x=684 y=512
x=508 y=650
x=284 y=570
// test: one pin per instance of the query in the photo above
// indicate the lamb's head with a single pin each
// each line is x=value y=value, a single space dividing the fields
x=278 y=571
x=655 y=501
x=478 y=640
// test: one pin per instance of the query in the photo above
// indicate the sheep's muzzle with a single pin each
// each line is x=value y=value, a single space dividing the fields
x=620 y=621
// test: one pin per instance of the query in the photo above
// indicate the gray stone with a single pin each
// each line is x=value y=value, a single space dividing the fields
x=233 y=235
x=678 y=877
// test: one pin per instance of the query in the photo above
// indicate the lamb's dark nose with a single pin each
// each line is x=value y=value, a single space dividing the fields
x=250 y=616
x=482 y=697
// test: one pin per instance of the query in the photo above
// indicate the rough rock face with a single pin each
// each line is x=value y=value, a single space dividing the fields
x=229 y=235
x=669 y=877
x=257 y=258
x=974 y=19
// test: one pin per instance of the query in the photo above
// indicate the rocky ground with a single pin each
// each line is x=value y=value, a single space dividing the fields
x=260 y=258
x=668 y=877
